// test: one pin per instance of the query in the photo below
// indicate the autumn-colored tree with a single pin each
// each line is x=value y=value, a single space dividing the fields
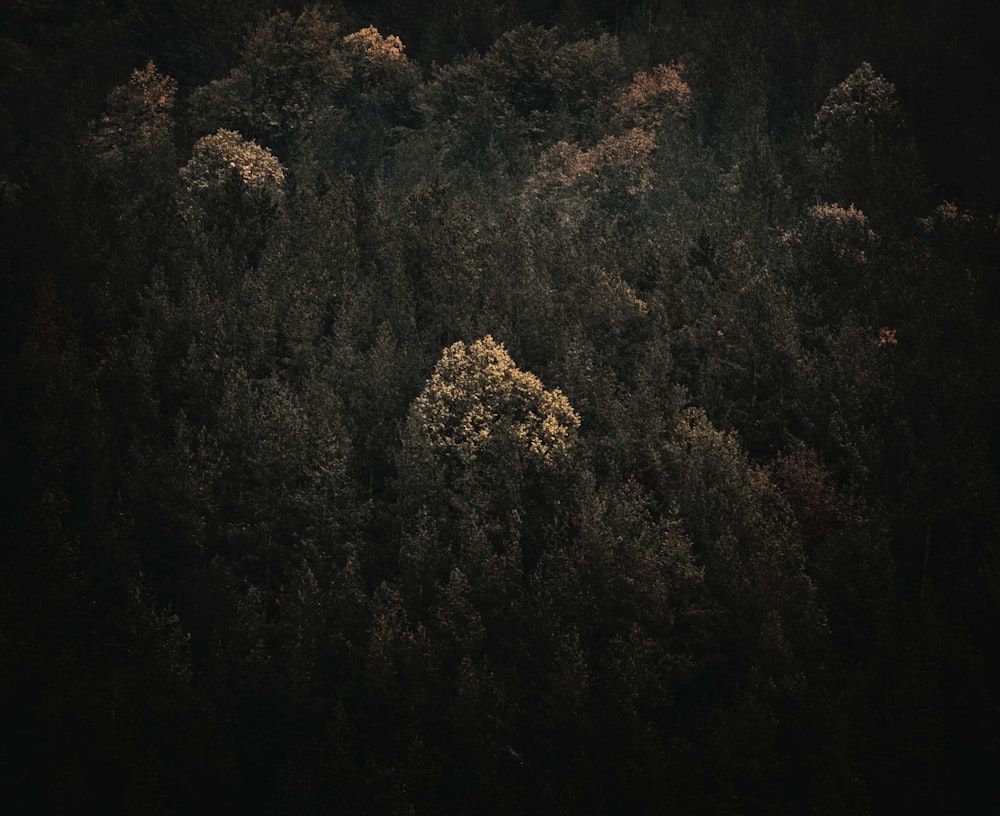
x=487 y=446
x=565 y=165
x=227 y=157
x=233 y=189
x=654 y=95
x=139 y=114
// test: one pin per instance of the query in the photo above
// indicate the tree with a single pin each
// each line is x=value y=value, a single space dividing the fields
x=139 y=114
x=744 y=533
x=289 y=73
x=378 y=98
x=769 y=686
x=226 y=157
x=859 y=148
x=478 y=410
x=651 y=95
x=307 y=91
x=487 y=445
x=531 y=86
x=128 y=209
x=233 y=188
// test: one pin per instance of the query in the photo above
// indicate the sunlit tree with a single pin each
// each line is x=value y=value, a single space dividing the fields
x=486 y=446
x=139 y=113
x=233 y=188
x=226 y=157
x=480 y=414
x=651 y=96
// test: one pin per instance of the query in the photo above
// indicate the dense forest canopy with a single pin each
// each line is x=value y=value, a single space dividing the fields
x=450 y=407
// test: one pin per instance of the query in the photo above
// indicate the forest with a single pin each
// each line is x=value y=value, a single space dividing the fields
x=465 y=407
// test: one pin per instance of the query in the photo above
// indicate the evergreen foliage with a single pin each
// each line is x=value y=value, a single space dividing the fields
x=499 y=408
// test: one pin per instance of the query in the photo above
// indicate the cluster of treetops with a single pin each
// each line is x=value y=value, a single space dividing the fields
x=470 y=407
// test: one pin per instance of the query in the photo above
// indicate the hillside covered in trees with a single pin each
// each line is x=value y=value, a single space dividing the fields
x=465 y=407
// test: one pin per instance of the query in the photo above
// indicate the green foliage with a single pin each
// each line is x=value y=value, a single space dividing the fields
x=643 y=567
x=859 y=110
x=290 y=530
x=291 y=69
x=302 y=87
x=860 y=150
x=528 y=84
x=233 y=190
x=742 y=528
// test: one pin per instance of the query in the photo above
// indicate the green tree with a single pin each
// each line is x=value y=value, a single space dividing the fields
x=530 y=87
x=285 y=84
x=127 y=210
x=742 y=531
x=860 y=150
x=378 y=98
x=304 y=89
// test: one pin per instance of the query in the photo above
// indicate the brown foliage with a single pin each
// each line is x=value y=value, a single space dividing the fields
x=139 y=112
x=653 y=95
x=805 y=482
x=566 y=165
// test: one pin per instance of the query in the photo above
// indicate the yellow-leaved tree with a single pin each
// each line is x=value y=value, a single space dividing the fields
x=233 y=190
x=486 y=454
